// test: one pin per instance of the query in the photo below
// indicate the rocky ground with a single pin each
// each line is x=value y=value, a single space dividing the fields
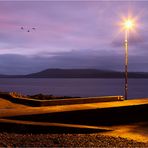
x=49 y=97
x=65 y=140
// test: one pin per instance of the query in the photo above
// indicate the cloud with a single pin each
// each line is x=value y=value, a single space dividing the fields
x=84 y=58
x=19 y=64
x=134 y=39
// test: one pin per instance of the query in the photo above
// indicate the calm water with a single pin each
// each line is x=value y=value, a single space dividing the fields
x=76 y=87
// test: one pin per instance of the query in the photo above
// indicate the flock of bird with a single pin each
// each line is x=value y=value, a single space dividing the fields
x=28 y=30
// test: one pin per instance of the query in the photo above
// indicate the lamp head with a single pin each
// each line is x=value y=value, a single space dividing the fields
x=128 y=24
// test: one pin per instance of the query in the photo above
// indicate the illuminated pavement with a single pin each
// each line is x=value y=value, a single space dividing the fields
x=10 y=109
x=137 y=131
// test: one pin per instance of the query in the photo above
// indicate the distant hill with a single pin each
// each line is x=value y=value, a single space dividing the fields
x=78 y=73
x=11 y=76
x=84 y=73
x=75 y=73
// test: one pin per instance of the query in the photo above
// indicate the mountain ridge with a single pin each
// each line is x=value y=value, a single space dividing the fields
x=78 y=73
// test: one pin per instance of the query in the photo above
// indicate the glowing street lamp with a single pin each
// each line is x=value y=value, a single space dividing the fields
x=128 y=25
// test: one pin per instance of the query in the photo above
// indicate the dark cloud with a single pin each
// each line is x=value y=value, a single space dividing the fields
x=18 y=64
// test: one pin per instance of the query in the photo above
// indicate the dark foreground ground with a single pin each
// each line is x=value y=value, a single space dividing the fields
x=65 y=140
x=22 y=135
x=18 y=134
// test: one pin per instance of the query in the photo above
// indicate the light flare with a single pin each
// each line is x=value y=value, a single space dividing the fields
x=128 y=24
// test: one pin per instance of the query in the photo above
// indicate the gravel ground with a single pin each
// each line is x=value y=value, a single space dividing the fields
x=65 y=140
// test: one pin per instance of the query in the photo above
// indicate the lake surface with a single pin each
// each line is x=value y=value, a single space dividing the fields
x=138 y=88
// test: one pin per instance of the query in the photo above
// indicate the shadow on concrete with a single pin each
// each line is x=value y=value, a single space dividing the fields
x=93 y=117
x=36 y=129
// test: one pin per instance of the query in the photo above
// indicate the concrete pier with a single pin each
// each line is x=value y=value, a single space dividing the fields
x=18 y=98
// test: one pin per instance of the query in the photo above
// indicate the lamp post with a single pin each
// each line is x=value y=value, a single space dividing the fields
x=128 y=24
x=126 y=64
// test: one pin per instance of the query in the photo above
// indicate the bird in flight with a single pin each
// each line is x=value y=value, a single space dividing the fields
x=28 y=30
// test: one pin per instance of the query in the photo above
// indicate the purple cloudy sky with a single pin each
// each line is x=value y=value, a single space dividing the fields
x=70 y=34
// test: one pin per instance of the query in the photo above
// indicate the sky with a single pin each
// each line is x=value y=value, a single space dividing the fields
x=71 y=34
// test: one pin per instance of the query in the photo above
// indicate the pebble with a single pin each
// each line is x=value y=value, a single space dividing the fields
x=65 y=140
